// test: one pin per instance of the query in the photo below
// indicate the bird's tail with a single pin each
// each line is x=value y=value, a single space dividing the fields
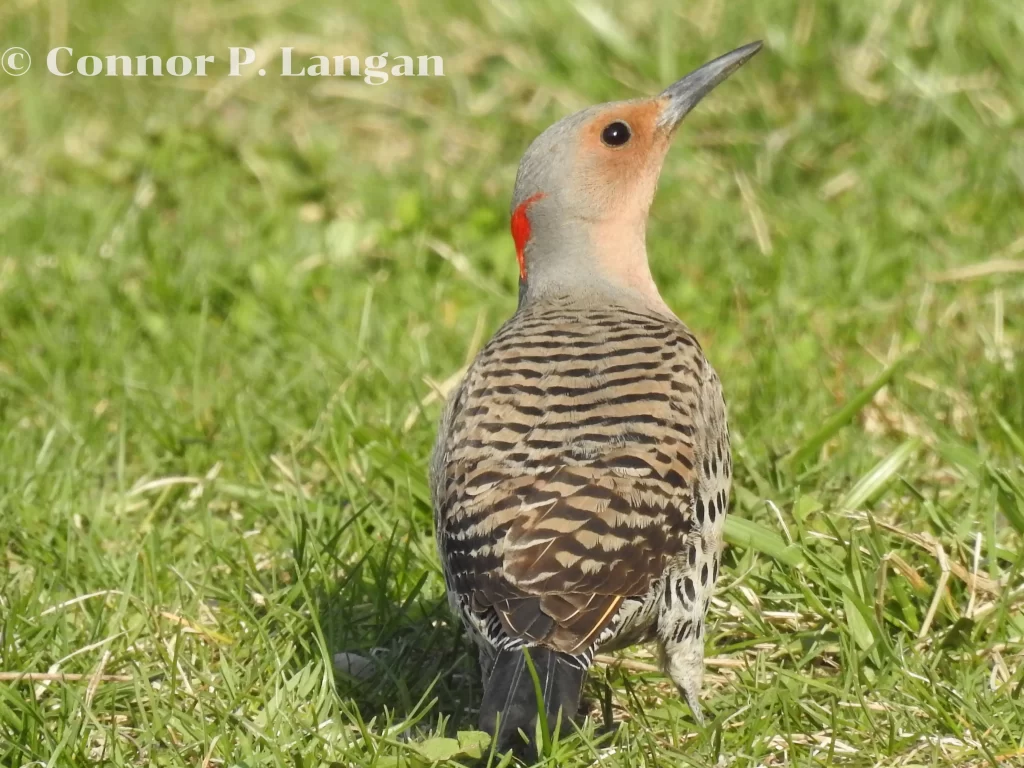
x=510 y=699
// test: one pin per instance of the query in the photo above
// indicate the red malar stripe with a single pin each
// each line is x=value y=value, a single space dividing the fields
x=521 y=230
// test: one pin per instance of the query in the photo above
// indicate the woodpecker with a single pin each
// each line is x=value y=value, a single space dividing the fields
x=582 y=468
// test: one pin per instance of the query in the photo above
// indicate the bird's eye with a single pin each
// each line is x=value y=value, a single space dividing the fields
x=616 y=134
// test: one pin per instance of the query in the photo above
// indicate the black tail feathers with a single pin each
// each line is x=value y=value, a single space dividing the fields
x=510 y=700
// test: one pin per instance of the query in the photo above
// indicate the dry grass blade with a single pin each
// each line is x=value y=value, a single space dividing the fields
x=982 y=269
x=61 y=677
x=932 y=545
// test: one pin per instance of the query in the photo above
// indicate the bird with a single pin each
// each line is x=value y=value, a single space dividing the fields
x=582 y=467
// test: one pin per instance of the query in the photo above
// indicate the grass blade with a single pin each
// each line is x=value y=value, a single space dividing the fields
x=542 y=718
x=740 y=532
x=871 y=484
x=843 y=416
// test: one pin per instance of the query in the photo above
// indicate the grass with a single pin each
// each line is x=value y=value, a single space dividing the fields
x=226 y=304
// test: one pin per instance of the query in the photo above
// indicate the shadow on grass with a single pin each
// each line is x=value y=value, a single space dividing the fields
x=399 y=654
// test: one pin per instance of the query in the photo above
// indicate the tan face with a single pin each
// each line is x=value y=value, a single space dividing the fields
x=574 y=166
x=619 y=156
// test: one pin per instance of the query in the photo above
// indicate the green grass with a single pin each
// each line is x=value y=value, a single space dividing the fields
x=225 y=303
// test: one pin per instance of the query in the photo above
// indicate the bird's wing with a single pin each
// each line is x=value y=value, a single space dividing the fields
x=556 y=554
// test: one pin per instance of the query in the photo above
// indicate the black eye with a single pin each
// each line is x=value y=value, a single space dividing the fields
x=616 y=134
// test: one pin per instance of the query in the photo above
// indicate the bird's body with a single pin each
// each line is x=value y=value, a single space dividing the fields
x=582 y=469
x=585 y=486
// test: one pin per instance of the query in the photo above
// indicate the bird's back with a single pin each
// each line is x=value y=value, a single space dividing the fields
x=567 y=468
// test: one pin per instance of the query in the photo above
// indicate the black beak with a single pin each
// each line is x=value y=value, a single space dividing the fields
x=683 y=95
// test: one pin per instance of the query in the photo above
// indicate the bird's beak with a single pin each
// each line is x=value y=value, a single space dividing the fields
x=683 y=95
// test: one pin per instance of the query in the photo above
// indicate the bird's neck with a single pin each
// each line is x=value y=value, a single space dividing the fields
x=603 y=259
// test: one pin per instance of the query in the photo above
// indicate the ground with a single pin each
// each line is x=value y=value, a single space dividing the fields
x=227 y=306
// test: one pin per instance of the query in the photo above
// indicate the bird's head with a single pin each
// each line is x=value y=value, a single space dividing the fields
x=585 y=186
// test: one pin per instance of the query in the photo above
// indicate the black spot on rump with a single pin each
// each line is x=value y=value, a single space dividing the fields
x=691 y=592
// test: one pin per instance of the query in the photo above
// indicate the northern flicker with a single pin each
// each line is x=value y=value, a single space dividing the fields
x=582 y=468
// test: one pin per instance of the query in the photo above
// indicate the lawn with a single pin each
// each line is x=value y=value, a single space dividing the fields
x=228 y=305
